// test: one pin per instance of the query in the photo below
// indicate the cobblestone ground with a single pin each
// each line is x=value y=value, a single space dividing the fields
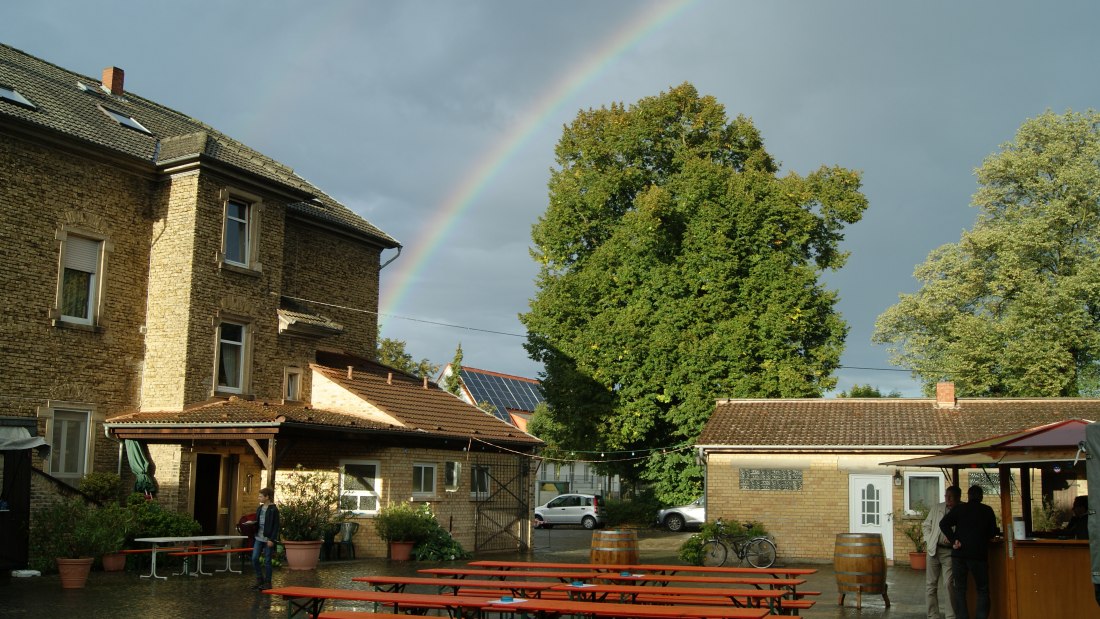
x=224 y=596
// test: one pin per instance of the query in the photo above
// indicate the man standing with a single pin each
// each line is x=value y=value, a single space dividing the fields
x=939 y=555
x=969 y=527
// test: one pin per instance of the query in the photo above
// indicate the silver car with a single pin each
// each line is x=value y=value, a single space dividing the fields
x=693 y=514
x=582 y=509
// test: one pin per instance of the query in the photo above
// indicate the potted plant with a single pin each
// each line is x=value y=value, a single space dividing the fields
x=911 y=524
x=71 y=534
x=113 y=560
x=309 y=506
x=402 y=527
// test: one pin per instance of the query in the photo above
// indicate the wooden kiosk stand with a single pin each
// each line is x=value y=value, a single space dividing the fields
x=1030 y=578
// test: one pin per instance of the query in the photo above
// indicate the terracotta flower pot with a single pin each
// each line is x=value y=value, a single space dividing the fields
x=114 y=562
x=74 y=572
x=302 y=555
x=918 y=560
x=401 y=551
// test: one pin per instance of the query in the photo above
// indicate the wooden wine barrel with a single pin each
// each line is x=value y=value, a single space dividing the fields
x=860 y=564
x=614 y=547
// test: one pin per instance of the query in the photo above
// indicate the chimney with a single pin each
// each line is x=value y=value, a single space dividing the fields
x=349 y=372
x=112 y=79
x=945 y=394
x=425 y=382
x=389 y=378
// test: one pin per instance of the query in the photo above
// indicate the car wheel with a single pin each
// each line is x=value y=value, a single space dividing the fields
x=674 y=522
x=588 y=522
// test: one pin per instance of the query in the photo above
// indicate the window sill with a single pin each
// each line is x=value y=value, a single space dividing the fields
x=230 y=394
x=57 y=323
x=234 y=268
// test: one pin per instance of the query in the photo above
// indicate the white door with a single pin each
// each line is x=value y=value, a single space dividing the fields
x=869 y=508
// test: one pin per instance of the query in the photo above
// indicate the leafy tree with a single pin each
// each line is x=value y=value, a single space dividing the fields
x=392 y=353
x=867 y=391
x=1013 y=308
x=677 y=267
x=453 y=382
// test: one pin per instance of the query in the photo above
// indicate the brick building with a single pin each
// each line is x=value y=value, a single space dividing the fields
x=167 y=284
x=809 y=469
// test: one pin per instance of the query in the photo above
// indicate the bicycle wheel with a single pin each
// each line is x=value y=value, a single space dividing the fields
x=760 y=552
x=714 y=553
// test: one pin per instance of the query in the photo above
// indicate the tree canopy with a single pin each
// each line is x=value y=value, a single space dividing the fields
x=677 y=267
x=1013 y=308
x=867 y=391
x=392 y=353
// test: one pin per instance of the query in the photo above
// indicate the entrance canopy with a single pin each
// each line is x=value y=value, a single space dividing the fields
x=1053 y=442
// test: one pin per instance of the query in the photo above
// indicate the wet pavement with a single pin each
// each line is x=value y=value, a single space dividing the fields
x=223 y=596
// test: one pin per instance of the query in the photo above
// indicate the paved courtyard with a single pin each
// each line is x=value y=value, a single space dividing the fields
x=224 y=596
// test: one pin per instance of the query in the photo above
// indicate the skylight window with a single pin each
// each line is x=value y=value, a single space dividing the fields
x=126 y=121
x=12 y=95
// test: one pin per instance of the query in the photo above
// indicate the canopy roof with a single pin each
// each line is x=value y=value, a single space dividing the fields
x=1052 y=442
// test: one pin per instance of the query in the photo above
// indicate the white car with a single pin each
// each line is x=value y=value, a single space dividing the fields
x=693 y=514
x=582 y=509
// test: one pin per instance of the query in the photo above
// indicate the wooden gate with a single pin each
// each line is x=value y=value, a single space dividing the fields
x=503 y=514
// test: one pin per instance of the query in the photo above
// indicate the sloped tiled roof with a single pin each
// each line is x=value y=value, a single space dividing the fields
x=237 y=412
x=62 y=105
x=880 y=422
x=432 y=410
x=429 y=412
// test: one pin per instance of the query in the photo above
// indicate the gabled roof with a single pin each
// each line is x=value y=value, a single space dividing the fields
x=72 y=106
x=420 y=412
x=506 y=392
x=405 y=397
x=883 y=424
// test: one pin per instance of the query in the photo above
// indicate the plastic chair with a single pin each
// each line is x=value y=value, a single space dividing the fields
x=347 y=541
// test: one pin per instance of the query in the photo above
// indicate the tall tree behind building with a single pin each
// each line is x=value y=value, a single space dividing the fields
x=1013 y=308
x=677 y=267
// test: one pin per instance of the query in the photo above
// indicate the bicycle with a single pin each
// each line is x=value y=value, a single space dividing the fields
x=760 y=551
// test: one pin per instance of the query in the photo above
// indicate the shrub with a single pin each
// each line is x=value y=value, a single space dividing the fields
x=150 y=519
x=309 y=505
x=401 y=522
x=103 y=488
x=438 y=545
x=640 y=511
x=71 y=529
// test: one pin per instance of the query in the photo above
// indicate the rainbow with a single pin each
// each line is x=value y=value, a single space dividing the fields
x=485 y=170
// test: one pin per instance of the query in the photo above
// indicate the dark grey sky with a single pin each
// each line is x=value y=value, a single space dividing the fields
x=391 y=107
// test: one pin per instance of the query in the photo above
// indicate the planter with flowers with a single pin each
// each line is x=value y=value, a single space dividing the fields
x=402 y=526
x=309 y=506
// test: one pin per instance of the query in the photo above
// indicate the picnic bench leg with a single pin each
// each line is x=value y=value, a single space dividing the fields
x=229 y=561
x=153 y=567
x=198 y=566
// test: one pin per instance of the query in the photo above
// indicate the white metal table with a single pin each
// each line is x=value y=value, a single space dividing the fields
x=173 y=541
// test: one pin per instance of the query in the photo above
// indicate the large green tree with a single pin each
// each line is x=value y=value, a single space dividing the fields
x=392 y=353
x=678 y=267
x=1013 y=308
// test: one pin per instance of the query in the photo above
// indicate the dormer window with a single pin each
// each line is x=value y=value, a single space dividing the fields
x=12 y=96
x=125 y=121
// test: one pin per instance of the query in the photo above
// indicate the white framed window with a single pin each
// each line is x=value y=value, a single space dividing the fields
x=451 y=472
x=240 y=230
x=292 y=384
x=80 y=279
x=423 y=479
x=232 y=357
x=923 y=490
x=479 y=482
x=69 y=431
x=360 y=486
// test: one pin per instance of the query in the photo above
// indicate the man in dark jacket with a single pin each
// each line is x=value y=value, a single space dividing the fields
x=267 y=533
x=969 y=527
